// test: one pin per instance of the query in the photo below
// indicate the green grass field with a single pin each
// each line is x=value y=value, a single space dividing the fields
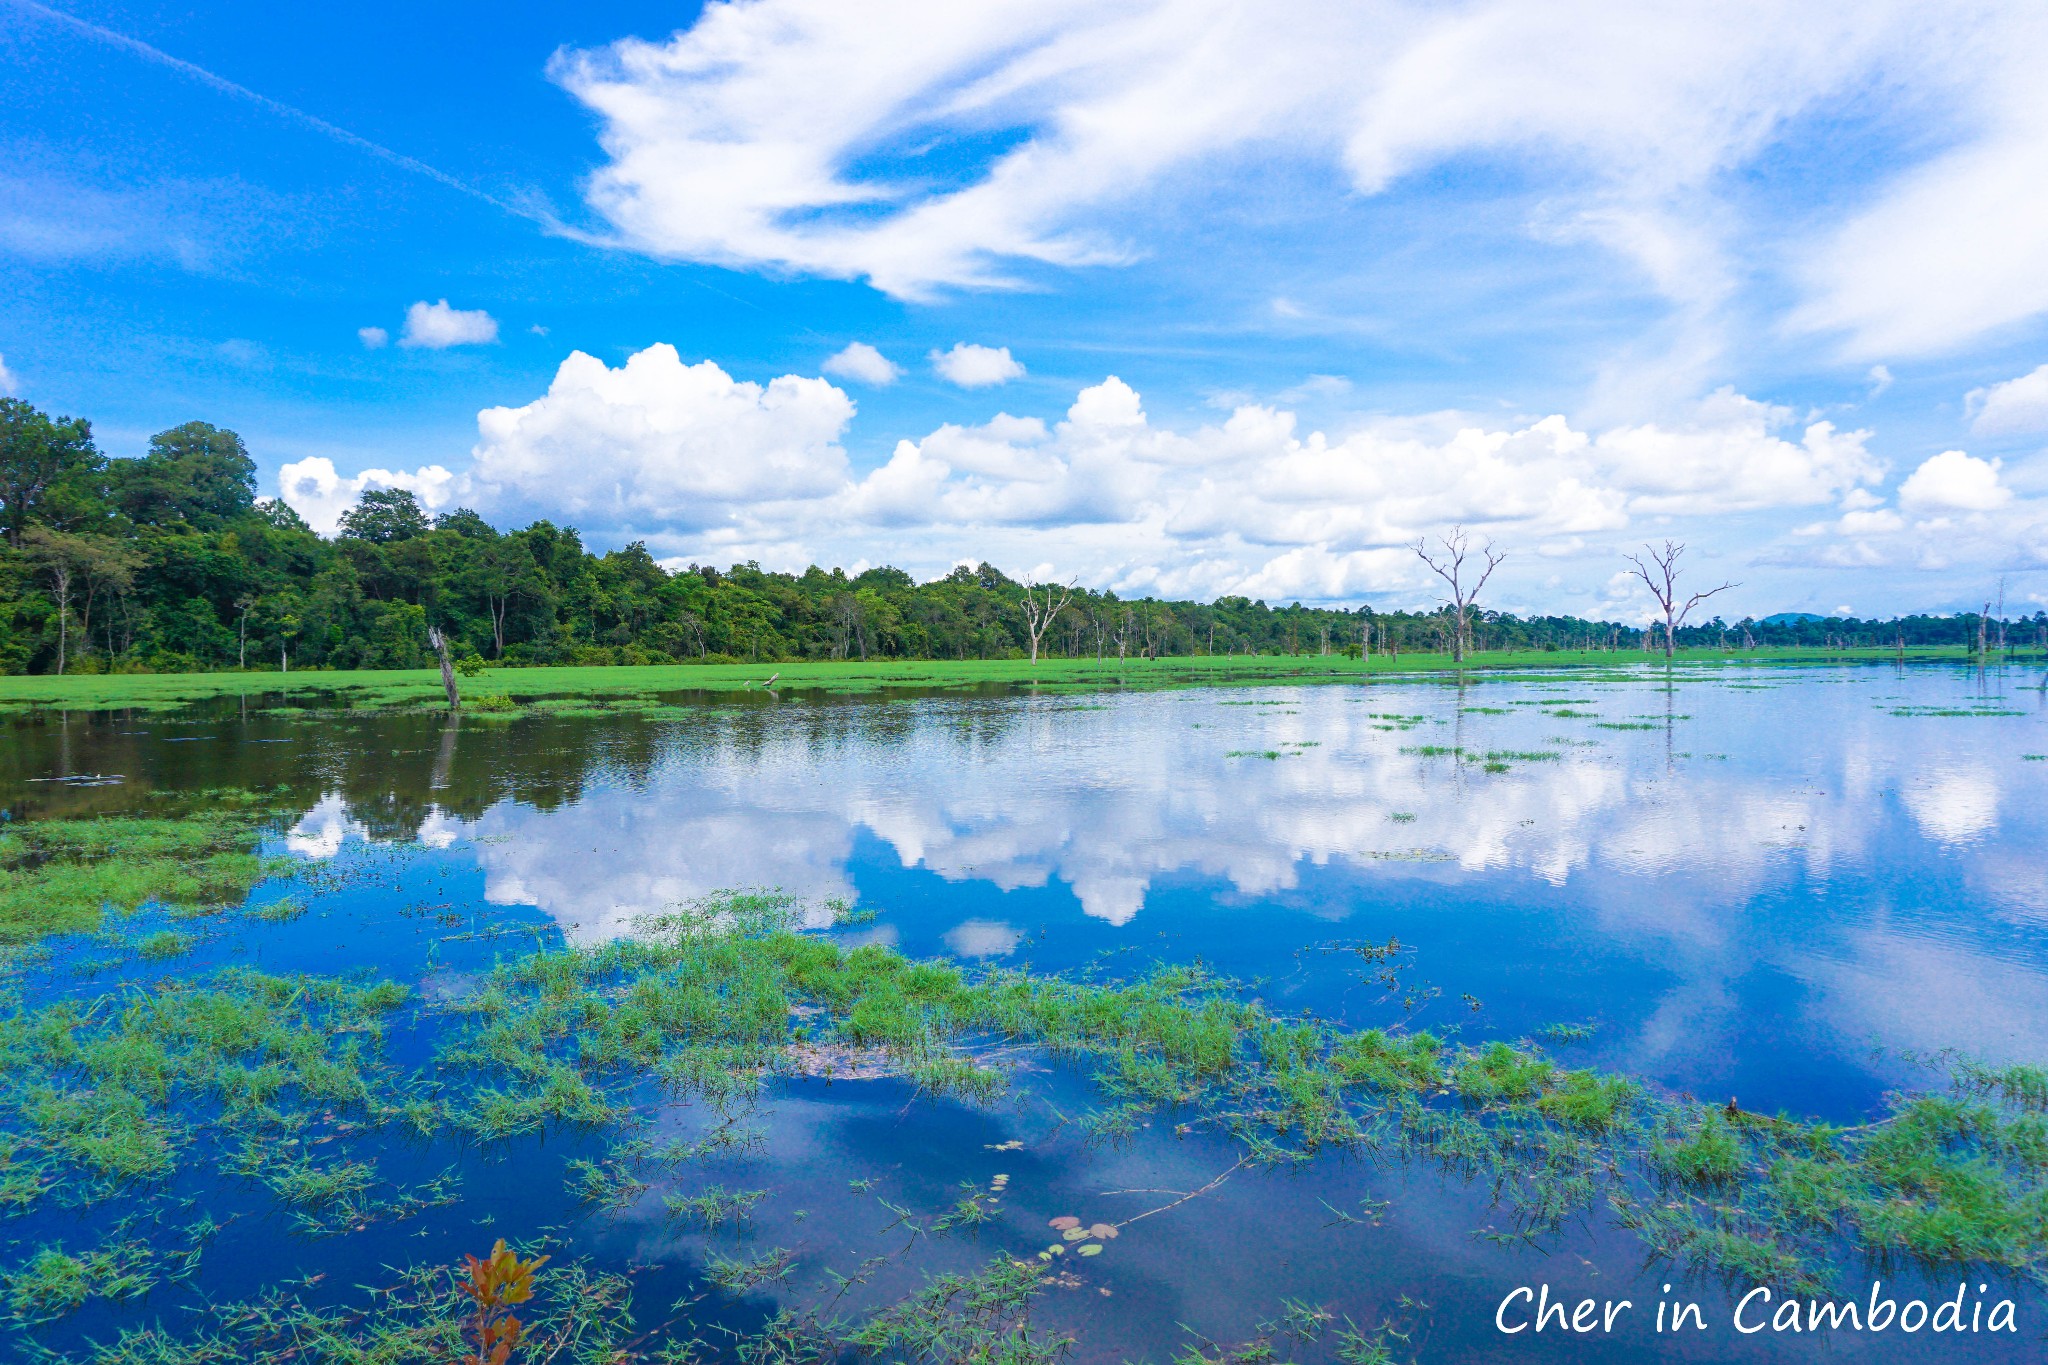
x=418 y=687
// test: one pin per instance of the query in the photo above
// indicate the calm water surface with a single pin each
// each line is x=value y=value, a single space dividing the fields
x=1767 y=885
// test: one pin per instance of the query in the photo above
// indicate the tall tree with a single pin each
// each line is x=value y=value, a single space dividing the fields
x=1450 y=567
x=1043 y=602
x=70 y=563
x=38 y=453
x=1660 y=576
x=197 y=474
x=385 y=516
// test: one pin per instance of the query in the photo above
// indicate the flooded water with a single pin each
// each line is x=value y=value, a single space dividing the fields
x=1782 y=889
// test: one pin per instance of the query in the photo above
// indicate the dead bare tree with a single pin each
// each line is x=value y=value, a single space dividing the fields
x=440 y=644
x=1043 y=602
x=1660 y=576
x=1451 y=569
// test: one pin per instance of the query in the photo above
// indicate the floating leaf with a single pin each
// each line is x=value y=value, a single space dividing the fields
x=1055 y=1250
x=1074 y=1234
x=1046 y=1255
x=1092 y=1249
x=1064 y=1221
x=1102 y=1230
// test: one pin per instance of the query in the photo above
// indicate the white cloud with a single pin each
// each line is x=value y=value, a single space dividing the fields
x=313 y=489
x=9 y=385
x=1955 y=482
x=863 y=364
x=704 y=465
x=436 y=326
x=1880 y=378
x=656 y=442
x=983 y=938
x=373 y=338
x=1316 y=386
x=2017 y=405
x=796 y=135
x=976 y=367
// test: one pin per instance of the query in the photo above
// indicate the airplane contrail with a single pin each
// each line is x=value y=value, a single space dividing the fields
x=286 y=111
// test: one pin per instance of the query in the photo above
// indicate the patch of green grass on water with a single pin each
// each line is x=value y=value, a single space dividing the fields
x=61 y=875
x=604 y=687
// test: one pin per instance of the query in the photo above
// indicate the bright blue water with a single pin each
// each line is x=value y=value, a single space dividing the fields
x=1765 y=884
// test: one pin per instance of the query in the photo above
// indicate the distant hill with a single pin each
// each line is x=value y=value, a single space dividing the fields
x=1791 y=618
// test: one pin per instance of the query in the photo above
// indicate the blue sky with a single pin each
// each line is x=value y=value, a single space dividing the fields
x=1766 y=278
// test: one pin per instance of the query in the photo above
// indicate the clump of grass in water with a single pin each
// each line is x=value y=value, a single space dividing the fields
x=283 y=910
x=108 y=1095
x=715 y=1206
x=58 y=876
x=1566 y=1033
x=979 y=1317
x=164 y=944
x=54 y=1282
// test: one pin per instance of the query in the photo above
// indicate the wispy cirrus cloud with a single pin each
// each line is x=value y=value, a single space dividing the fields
x=928 y=146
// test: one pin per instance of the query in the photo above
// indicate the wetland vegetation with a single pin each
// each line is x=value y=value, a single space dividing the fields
x=193 y=1087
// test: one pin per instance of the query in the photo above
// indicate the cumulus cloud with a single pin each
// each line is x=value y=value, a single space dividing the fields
x=9 y=385
x=801 y=136
x=373 y=338
x=1955 y=482
x=976 y=367
x=657 y=442
x=2017 y=405
x=863 y=364
x=436 y=326
x=316 y=491
x=700 y=463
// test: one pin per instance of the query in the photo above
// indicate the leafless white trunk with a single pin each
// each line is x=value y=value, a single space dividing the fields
x=1660 y=576
x=1043 y=602
x=1450 y=567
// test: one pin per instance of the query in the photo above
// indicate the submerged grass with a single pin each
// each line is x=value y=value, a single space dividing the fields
x=61 y=875
x=708 y=1006
x=282 y=1081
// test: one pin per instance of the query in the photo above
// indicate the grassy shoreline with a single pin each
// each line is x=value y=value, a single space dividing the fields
x=413 y=687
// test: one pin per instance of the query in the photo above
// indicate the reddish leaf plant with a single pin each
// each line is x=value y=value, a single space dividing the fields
x=495 y=1285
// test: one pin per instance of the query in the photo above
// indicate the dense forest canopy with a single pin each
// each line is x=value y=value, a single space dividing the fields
x=171 y=562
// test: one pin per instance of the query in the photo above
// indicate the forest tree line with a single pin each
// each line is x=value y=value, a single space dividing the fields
x=170 y=562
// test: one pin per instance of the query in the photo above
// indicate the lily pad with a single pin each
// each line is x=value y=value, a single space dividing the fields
x=1092 y=1249
x=1103 y=1230
x=1064 y=1221
x=1075 y=1234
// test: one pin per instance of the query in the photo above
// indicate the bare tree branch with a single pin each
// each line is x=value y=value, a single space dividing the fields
x=1451 y=569
x=1041 y=608
x=1660 y=576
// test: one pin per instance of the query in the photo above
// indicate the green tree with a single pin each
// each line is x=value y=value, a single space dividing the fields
x=197 y=474
x=385 y=516
x=38 y=456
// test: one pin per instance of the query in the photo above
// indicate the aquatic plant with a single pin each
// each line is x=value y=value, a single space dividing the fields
x=714 y=1205
x=496 y=1285
x=59 y=875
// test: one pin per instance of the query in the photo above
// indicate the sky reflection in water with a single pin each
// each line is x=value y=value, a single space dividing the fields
x=1765 y=884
